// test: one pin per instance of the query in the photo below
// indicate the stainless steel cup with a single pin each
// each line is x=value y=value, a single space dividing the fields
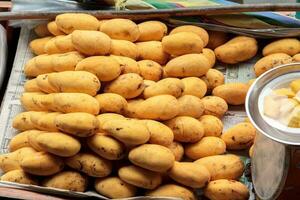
x=275 y=145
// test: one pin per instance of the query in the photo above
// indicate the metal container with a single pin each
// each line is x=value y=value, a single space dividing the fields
x=3 y=52
x=276 y=159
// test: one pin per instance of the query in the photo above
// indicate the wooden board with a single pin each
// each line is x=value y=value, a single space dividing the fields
x=161 y=13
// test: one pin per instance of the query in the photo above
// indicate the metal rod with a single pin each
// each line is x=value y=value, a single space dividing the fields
x=152 y=13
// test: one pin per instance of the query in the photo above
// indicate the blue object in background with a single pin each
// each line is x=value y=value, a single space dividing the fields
x=298 y=13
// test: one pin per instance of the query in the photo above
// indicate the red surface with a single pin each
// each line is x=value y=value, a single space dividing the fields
x=291 y=189
x=5 y=5
x=22 y=194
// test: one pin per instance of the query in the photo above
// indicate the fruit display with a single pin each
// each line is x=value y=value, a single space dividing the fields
x=276 y=53
x=134 y=107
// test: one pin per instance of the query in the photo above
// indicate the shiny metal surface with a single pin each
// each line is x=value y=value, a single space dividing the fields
x=279 y=82
x=269 y=167
x=253 y=105
x=271 y=158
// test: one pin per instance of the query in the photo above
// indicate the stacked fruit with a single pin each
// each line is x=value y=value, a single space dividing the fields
x=130 y=107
